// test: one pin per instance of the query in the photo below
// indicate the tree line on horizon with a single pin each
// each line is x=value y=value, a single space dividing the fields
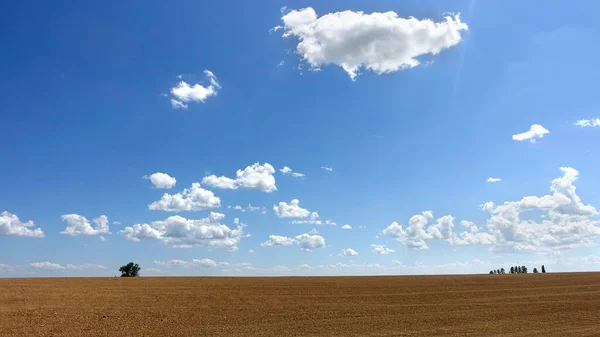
x=516 y=270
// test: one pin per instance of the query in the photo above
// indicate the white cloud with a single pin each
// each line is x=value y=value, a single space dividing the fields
x=10 y=225
x=47 y=265
x=588 y=122
x=309 y=242
x=348 y=252
x=565 y=223
x=493 y=180
x=328 y=169
x=251 y=251
x=178 y=231
x=248 y=208
x=277 y=240
x=102 y=238
x=202 y=263
x=161 y=180
x=381 y=249
x=568 y=222
x=306 y=241
x=257 y=177
x=286 y=171
x=346 y=227
x=536 y=131
x=184 y=93
x=293 y=210
x=380 y=42
x=79 y=225
x=193 y=199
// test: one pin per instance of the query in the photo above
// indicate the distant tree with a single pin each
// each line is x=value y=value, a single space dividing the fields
x=502 y=271
x=543 y=269
x=491 y=272
x=518 y=270
x=512 y=270
x=535 y=271
x=130 y=270
x=523 y=269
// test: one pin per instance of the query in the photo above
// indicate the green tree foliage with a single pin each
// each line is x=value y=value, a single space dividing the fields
x=512 y=270
x=535 y=271
x=543 y=269
x=518 y=270
x=502 y=271
x=130 y=270
x=523 y=269
x=491 y=272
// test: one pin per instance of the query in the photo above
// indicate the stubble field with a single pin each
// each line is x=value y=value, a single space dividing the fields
x=481 y=305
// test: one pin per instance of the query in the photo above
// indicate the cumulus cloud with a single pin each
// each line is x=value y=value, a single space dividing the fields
x=590 y=123
x=183 y=92
x=379 y=42
x=568 y=222
x=79 y=225
x=286 y=171
x=202 y=263
x=278 y=240
x=254 y=177
x=306 y=241
x=328 y=169
x=193 y=199
x=293 y=210
x=10 y=225
x=161 y=180
x=535 y=132
x=180 y=232
x=493 y=180
x=348 y=252
x=565 y=223
x=346 y=227
x=381 y=249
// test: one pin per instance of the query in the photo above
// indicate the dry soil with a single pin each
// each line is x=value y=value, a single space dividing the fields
x=482 y=305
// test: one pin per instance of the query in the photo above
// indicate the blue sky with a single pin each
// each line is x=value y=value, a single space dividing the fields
x=412 y=116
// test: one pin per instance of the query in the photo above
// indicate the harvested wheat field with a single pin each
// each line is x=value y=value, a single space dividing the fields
x=481 y=305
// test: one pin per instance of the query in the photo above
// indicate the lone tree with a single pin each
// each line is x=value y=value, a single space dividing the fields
x=130 y=270
x=491 y=272
x=543 y=269
x=535 y=270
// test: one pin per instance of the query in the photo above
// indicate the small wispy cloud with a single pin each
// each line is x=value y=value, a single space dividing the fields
x=493 y=180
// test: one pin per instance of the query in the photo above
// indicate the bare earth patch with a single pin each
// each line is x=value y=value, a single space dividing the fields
x=479 y=305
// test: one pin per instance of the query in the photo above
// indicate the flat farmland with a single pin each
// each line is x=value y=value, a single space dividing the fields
x=477 y=305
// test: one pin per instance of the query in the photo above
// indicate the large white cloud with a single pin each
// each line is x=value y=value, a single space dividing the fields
x=79 y=225
x=178 y=231
x=257 y=177
x=535 y=132
x=183 y=92
x=293 y=210
x=161 y=180
x=565 y=222
x=193 y=199
x=568 y=222
x=380 y=42
x=12 y=226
